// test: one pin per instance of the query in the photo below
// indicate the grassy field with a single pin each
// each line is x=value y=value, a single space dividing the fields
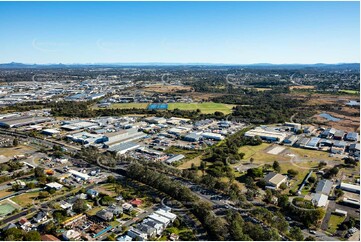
x=189 y=154
x=188 y=164
x=206 y=107
x=93 y=211
x=314 y=155
x=129 y=105
x=25 y=199
x=334 y=221
x=250 y=151
x=350 y=91
x=4 y=193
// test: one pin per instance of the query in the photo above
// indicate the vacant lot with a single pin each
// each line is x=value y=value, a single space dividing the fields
x=19 y=150
x=188 y=164
x=167 y=88
x=206 y=107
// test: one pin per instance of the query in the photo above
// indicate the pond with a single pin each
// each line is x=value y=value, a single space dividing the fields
x=329 y=117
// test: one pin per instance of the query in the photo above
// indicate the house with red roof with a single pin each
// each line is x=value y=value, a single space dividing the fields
x=136 y=202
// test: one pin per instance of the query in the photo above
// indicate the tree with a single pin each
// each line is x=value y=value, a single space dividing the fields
x=39 y=172
x=296 y=233
x=43 y=194
x=13 y=234
x=255 y=172
x=292 y=172
x=111 y=179
x=15 y=142
x=338 y=192
x=268 y=196
x=322 y=164
x=283 y=201
x=350 y=161
x=311 y=179
x=107 y=200
x=32 y=235
x=283 y=186
x=80 y=206
x=310 y=238
x=276 y=166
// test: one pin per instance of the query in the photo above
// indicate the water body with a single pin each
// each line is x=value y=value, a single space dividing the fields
x=329 y=117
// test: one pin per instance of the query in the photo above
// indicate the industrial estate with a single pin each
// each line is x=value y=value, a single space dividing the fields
x=127 y=154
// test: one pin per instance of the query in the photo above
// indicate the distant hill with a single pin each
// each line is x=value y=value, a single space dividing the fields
x=15 y=65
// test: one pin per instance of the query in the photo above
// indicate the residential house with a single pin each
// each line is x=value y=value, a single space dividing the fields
x=152 y=223
x=92 y=193
x=127 y=207
x=71 y=235
x=105 y=215
x=166 y=214
x=136 y=202
x=160 y=219
x=25 y=224
x=124 y=238
x=40 y=217
x=137 y=235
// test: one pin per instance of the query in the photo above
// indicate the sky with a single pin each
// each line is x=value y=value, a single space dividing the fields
x=180 y=32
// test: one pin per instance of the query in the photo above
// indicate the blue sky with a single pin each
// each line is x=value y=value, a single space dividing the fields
x=182 y=32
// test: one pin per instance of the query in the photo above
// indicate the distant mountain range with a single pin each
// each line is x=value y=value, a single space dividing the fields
x=14 y=65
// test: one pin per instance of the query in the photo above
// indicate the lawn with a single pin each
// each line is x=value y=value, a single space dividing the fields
x=350 y=91
x=25 y=199
x=334 y=221
x=114 y=223
x=93 y=211
x=206 y=107
x=250 y=151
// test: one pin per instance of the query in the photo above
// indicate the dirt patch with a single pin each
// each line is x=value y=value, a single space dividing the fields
x=302 y=87
x=167 y=89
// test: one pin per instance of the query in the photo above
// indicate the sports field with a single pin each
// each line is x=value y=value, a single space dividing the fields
x=206 y=107
x=6 y=208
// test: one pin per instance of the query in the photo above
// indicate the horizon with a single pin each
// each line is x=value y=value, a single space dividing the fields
x=180 y=63
x=220 y=33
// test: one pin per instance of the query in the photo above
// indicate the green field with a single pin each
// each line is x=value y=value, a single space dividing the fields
x=350 y=91
x=206 y=107
x=6 y=208
x=129 y=105
x=333 y=223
